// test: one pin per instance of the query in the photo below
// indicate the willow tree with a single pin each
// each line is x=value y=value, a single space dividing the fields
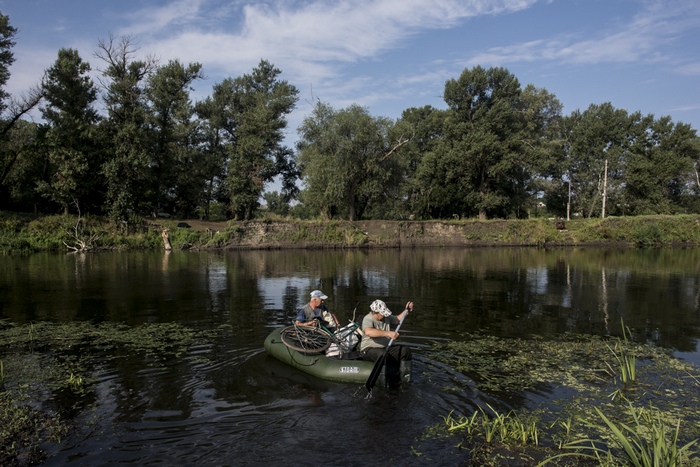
x=345 y=157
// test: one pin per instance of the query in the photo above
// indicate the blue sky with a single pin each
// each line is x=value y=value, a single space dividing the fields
x=389 y=55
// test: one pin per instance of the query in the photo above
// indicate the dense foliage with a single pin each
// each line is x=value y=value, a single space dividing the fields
x=135 y=142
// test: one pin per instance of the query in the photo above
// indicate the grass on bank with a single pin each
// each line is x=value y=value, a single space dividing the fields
x=22 y=233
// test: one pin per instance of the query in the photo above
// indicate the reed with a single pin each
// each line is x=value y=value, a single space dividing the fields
x=76 y=383
x=497 y=426
x=567 y=425
x=626 y=362
x=646 y=442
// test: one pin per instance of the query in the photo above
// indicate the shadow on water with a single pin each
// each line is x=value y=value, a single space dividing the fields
x=259 y=411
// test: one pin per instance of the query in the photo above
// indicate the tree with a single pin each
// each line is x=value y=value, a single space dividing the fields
x=659 y=175
x=126 y=169
x=259 y=103
x=544 y=151
x=591 y=137
x=217 y=133
x=276 y=203
x=70 y=139
x=485 y=156
x=345 y=160
x=18 y=187
x=17 y=138
x=7 y=58
x=421 y=196
x=176 y=178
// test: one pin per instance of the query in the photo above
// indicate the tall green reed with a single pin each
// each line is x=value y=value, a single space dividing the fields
x=644 y=442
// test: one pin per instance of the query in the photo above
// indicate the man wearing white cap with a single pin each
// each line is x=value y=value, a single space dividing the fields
x=376 y=329
x=315 y=310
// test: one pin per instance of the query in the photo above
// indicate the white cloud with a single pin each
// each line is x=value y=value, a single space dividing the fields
x=329 y=49
x=310 y=40
x=640 y=40
x=154 y=20
x=691 y=69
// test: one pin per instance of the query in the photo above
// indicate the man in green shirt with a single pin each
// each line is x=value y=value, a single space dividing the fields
x=376 y=329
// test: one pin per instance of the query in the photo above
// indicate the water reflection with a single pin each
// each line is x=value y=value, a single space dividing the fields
x=496 y=289
x=230 y=401
x=508 y=292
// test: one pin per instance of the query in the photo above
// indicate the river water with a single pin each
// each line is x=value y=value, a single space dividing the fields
x=238 y=406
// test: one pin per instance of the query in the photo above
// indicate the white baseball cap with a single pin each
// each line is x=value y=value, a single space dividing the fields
x=380 y=307
x=318 y=294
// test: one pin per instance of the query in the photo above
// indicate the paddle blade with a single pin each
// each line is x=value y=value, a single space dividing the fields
x=376 y=371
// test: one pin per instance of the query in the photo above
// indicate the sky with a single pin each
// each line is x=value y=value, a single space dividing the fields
x=391 y=55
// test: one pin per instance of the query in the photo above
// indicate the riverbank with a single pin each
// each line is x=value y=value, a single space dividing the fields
x=26 y=233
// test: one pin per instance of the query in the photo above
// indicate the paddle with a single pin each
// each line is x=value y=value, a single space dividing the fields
x=376 y=371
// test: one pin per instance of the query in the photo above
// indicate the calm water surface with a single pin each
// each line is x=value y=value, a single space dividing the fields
x=237 y=406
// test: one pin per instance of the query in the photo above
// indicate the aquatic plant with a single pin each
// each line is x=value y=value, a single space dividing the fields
x=587 y=366
x=626 y=361
x=23 y=431
x=76 y=383
x=508 y=427
x=646 y=442
x=56 y=362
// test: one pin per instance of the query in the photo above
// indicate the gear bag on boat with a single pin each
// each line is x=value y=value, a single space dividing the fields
x=348 y=337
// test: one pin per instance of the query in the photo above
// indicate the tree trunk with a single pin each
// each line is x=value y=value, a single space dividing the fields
x=166 y=240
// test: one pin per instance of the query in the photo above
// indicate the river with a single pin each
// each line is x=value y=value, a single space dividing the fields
x=229 y=403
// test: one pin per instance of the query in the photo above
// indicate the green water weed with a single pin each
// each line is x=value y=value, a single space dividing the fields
x=645 y=441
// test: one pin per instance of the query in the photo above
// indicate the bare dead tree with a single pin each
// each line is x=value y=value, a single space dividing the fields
x=82 y=242
x=401 y=141
x=19 y=107
x=118 y=54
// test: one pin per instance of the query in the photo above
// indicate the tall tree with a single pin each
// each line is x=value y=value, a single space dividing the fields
x=421 y=197
x=126 y=170
x=485 y=134
x=7 y=58
x=544 y=151
x=217 y=132
x=659 y=172
x=599 y=134
x=16 y=137
x=70 y=140
x=260 y=102
x=175 y=176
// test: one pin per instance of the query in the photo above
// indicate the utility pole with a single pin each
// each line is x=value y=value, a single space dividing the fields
x=568 y=204
x=605 y=186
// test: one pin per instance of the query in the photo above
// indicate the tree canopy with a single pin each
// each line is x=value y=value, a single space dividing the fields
x=134 y=141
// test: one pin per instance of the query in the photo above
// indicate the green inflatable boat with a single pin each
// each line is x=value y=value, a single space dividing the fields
x=341 y=368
